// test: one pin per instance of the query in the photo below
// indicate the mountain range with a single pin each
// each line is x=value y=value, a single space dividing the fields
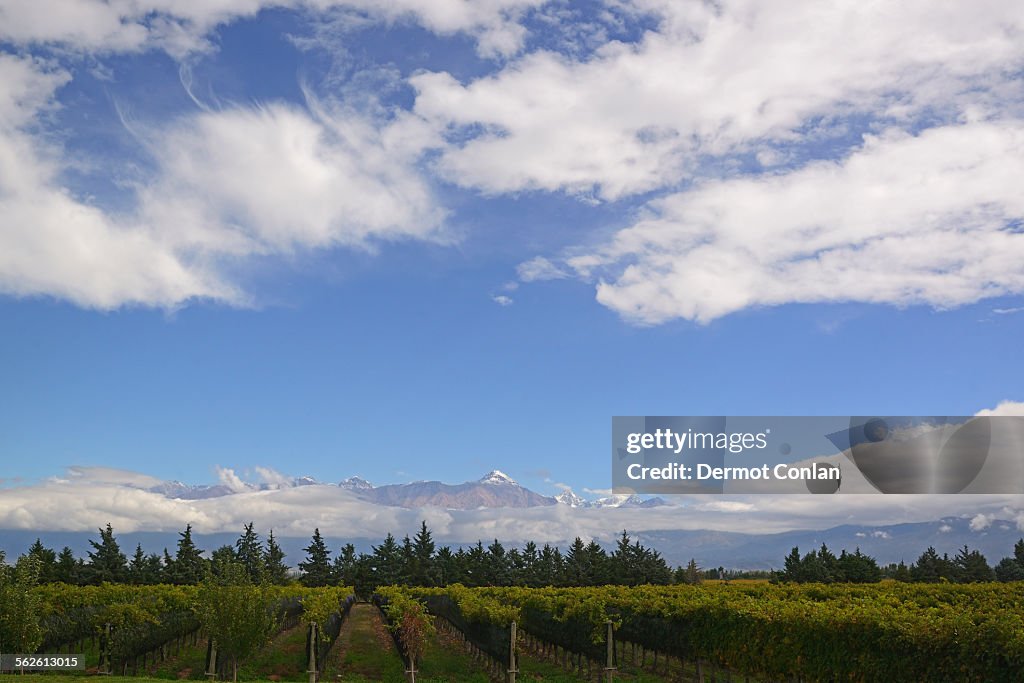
x=494 y=490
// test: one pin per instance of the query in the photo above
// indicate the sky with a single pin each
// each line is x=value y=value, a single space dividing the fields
x=423 y=239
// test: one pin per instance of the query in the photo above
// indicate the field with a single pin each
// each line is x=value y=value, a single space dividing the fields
x=743 y=631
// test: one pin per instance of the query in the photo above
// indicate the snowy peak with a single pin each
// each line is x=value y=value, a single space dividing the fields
x=497 y=477
x=304 y=481
x=567 y=497
x=355 y=484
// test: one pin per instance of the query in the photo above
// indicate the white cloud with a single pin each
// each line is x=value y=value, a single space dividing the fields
x=981 y=522
x=945 y=529
x=503 y=300
x=180 y=28
x=82 y=503
x=228 y=185
x=273 y=478
x=904 y=220
x=1007 y=311
x=1008 y=408
x=877 y=533
x=227 y=477
x=716 y=79
x=539 y=268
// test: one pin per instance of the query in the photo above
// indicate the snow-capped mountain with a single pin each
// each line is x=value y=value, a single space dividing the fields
x=494 y=490
x=355 y=484
x=497 y=477
x=622 y=500
x=183 y=491
x=567 y=497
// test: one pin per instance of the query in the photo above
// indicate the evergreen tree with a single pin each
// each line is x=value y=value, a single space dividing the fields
x=446 y=567
x=344 y=571
x=316 y=568
x=792 y=567
x=277 y=570
x=859 y=568
x=1009 y=569
x=475 y=566
x=691 y=574
x=68 y=569
x=188 y=567
x=249 y=553
x=421 y=570
x=928 y=568
x=576 y=571
x=154 y=569
x=223 y=561
x=106 y=561
x=46 y=560
x=597 y=559
x=137 y=567
x=972 y=567
x=496 y=568
x=387 y=562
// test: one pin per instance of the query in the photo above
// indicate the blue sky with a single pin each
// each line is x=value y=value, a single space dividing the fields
x=430 y=240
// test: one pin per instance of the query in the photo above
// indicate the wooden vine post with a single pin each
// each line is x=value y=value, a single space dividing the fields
x=512 y=668
x=211 y=660
x=610 y=664
x=313 y=635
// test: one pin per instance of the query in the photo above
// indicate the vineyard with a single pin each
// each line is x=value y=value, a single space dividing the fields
x=752 y=631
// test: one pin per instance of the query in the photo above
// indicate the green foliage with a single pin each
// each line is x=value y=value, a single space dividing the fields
x=20 y=606
x=107 y=564
x=277 y=570
x=239 y=615
x=316 y=568
x=319 y=604
x=188 y=567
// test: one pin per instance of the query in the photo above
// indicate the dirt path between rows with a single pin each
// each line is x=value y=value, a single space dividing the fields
x=364 y=646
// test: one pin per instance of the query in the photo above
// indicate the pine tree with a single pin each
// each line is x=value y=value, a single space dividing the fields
x=344 y=570
x=928 y=568
x=106 y=561
x=692 y=573
x=137 y=567
x=1009 y=569
x=250 y=554
x=316 y=568
x=387 y=562
x=971 y=566
x=792 y=567
x=421 y=571
x=189 y=567
x=68 y=569
x=277 y=570
x=46 y=559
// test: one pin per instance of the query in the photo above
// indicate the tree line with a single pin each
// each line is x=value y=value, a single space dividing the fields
x=967 y=566
x=418 y=561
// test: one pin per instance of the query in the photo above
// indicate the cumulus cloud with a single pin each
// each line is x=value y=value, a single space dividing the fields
x=503 y=300
x=906 y=219
x=716 y=79
x=1008 y=408
x=980 y=522
x=227 y=477
x=81 y=502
